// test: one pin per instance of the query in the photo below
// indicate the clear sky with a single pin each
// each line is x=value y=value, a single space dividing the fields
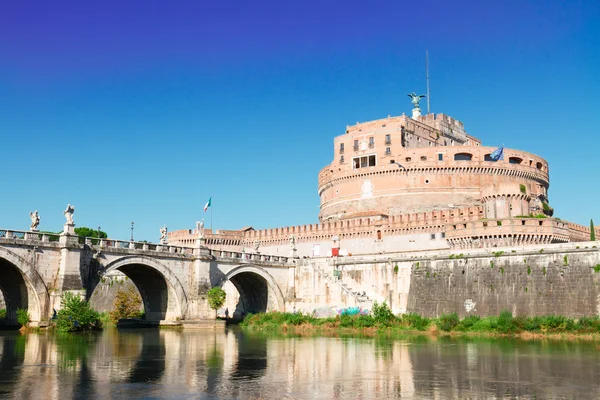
x=142 y=110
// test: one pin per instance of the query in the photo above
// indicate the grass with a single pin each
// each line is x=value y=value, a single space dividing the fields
x=383 y=320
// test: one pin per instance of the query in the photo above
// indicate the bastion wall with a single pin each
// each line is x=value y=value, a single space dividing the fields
x=561 y=279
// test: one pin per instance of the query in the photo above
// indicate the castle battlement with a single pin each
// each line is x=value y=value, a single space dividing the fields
x=402 y=183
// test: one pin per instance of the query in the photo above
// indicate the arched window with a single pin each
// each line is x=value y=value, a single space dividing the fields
x=423 y=158
x=463 y=157
x=538 y=165
x=378 y=235
x=515 y=160
x=488 y=157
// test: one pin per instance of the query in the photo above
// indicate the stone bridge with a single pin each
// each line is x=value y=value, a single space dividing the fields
x=37 y=268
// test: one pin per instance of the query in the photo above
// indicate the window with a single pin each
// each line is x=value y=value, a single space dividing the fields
x=440 y=157
x=355 y=145
x=463 y=157
x=515 y=160
x=432 y=237
x=423 y=158
x=364 y=161
x=388 y=139
x=341 y=147
x=371 y=142
x=488 y=157
x=341 y=159
x=408 y=159
x=443 y=235
x=388 y=151
x=378 y=235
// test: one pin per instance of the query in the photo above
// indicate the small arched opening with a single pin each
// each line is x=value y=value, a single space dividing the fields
x=463 y=157
x=515 y=160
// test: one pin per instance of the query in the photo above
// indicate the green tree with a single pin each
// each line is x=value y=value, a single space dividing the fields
x=91 y=233
x=76 y=315
x=127 y=305
x=216 y=298
x=592 y=231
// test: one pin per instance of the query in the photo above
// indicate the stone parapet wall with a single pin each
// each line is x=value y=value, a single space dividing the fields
x=394 y=225
x=506 y=232
x=581 y=233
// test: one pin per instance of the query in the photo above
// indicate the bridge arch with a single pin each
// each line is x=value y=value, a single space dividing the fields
x=22 y=287
x=258 y=290
x=163 y=295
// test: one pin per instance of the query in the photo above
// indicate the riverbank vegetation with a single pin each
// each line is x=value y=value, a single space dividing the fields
x=382 y=319
x=76 y=315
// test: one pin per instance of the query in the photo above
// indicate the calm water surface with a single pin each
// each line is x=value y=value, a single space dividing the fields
x=152 y=364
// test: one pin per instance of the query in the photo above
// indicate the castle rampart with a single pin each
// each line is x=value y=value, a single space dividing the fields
x=404 y=184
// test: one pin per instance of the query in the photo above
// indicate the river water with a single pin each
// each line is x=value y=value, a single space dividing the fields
x=168 y=364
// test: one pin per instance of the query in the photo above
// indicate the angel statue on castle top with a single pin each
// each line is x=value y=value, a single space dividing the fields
x=416 y=98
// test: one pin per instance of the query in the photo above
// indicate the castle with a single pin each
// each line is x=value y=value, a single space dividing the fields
x=403 y=184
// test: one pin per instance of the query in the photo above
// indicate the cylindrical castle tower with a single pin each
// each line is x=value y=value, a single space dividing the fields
x=401 y=165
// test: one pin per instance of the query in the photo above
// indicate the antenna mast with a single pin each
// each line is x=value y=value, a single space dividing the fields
x=427 y=75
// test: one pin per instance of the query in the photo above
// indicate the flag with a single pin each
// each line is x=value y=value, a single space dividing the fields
x=497 y=154
x=207 y=204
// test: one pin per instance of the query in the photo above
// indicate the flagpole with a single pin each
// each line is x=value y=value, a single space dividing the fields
x=211 y=231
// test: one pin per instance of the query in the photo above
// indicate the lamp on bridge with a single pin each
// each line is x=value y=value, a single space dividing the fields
x=132 y=231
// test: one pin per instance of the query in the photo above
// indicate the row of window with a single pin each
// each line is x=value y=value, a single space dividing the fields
x=440 y=157
x=388 y=140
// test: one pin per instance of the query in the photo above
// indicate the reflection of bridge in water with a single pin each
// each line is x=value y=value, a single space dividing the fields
x=36 y=268
x=233 y=364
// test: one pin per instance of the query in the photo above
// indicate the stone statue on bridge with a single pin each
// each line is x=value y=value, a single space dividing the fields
x=200 y=229
x=293 y=242
x=69 y=214
x=163 y=235
x=35 y=221
x=256 y=245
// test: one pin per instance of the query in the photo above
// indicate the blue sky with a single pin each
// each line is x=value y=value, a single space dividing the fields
x=140 y=111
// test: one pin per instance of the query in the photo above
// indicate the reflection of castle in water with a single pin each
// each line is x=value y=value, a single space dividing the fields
x=167 y=364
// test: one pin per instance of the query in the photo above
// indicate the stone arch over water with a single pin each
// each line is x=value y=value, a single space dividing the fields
x=22 y=287
x=258 y=290
x=162 y=294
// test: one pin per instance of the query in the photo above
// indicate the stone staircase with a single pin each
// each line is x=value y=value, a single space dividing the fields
x=360 y=297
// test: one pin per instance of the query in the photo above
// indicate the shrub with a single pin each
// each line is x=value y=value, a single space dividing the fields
x=127 y=305
x=592 y=231
x=23 y=317
x=396 y=268
x=76 y=315
x=448 y=322
x=504 y=323
x=415 y=321
x=3 y=313
x=382 y=314
x=468 y=322
x=216 y=298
